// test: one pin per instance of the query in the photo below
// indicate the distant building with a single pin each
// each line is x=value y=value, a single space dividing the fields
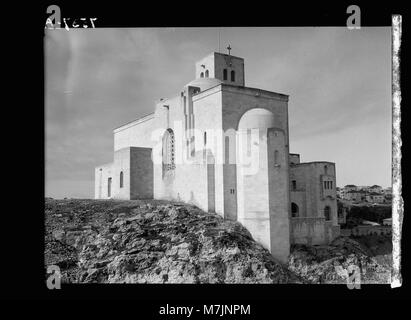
x=375 y=188
x=340 y=193
x=350 y=187
x=375 y=197
x=370 y=223
x=354 y=195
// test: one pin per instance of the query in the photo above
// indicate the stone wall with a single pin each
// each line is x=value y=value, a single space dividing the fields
x=310 y=230
x=134 y=134
x=366 y=230
x=141 y=173
x=102 y=173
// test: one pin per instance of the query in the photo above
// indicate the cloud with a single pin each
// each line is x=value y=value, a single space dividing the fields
x=98 y=79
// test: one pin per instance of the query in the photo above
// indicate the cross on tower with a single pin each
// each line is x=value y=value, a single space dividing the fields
x=229 y=49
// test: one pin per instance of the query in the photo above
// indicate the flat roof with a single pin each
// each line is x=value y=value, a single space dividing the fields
x=135 y=121
x=311 y=162
x=221 y=54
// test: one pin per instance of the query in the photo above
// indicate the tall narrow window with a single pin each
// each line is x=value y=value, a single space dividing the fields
x=248 y=142
x=225 y=75
x=109 y=187
x=227 y=150
x=331 y=184
x=232 y=75
x=325 y=184
x=325 y=169
x=121 y=179
x=205 y=138
x=294 y=184
x=276 y=158
x=168 y=151
x=206 y=74
x=327 y=213
x=202 y=75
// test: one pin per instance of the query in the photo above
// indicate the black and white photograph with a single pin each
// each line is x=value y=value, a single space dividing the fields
x=186 y=156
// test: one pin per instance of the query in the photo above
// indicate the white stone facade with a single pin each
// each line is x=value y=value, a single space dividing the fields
x=224 y=147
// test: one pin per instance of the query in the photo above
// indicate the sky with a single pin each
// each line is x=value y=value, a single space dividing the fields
x=338 y=82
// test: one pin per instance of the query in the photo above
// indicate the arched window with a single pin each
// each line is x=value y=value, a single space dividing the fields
x=276 y=158
x=294 y=210
x=225 y=74
x=327 y=213
x=121 y=179
x=168 y=151
x=232 y=75
x=206 y=74
x=109 y=187
x=205 y=138
x=202 y=75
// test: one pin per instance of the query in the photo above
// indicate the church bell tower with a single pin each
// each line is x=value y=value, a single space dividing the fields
x=224 y=67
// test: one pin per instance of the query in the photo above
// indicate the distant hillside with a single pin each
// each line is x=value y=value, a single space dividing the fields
x=151 y=241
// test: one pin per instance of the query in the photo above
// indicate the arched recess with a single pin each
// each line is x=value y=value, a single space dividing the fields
x=263 y=206
x=256 y=118
x=294 y=210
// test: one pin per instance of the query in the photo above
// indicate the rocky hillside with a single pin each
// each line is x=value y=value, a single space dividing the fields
x=324 y=264
x=154 y=241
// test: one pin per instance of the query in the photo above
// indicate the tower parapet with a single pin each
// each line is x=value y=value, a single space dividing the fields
x=227 y=68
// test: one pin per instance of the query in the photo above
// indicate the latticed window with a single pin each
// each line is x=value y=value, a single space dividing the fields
x=168 y=151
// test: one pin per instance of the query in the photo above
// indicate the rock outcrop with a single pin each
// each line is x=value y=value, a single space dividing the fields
x=109 y=241
x=333 y=263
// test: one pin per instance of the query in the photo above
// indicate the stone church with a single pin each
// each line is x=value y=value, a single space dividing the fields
x=224 y=147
